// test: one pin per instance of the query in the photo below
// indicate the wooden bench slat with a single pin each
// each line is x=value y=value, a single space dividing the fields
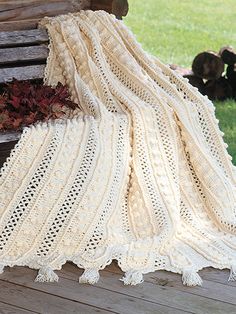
x=34 y=53
x=21 y=10
x=9 y=5
x=28 y=37
x=25 y=14
x=8 y=136
x=19 y=25
x=8 y=140
x=22 y=73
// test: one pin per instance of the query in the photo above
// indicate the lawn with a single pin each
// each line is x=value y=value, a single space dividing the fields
x=175 y=31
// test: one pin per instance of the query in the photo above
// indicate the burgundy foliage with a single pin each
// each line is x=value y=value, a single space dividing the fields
x=23 y=103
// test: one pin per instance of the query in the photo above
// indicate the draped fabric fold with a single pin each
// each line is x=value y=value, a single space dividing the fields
x=140 y=173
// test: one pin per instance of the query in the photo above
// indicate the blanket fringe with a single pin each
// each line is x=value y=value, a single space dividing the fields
x=46 y=274
x=232 y=275
x=90 y=276
x=1 y=268
x=191 y=278
x=132 y=277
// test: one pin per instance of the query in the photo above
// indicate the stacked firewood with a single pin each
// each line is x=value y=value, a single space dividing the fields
x=214 y=74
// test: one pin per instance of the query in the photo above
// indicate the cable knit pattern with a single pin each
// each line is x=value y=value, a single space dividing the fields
x=139 y=174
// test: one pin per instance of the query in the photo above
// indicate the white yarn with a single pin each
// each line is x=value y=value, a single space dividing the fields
x=90 y=276
x=232 y=276
x=46 y=274
x=140 y=175
x=191 y=278
x=1 y=269
x=132 y=278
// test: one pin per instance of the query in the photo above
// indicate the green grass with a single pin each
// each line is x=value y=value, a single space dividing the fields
x=176 y=31
x=226 y=113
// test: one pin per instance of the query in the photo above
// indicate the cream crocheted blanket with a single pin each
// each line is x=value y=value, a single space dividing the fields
x=139 y=174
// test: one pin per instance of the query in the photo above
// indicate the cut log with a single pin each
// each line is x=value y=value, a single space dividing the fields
x=208 y=65
x=197 y=82
x=228 y=55
x=219 y=89
x=192 y=78
x=231 y=75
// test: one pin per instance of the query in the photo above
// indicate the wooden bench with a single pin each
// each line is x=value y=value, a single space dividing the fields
x=23 y=47
x=23 y=54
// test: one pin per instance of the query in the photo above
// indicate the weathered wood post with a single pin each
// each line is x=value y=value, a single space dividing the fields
x=117 y=7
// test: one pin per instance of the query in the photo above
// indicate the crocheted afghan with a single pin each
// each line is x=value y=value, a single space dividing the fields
x=139 y=174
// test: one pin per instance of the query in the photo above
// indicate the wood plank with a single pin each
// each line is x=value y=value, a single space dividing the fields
x=2 y=160
x=213 y=290
x=16 y=4
x=19 y=25
x=179 y=297
x=6 y=308
x=19 y=54
x=14 y=10
x=40 y=302
x=74 y=275
x=29 y=37
x=97 y=296
x=217 y=275
x=22 y=73
x=7 y=137
x=25 y=14
x=5 y=150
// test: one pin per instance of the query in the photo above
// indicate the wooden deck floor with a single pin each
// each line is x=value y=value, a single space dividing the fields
x=162 y=292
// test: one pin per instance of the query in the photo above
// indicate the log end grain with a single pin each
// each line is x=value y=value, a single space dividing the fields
x=208 y=65
x=196 y=82
x=228 y=55
x=219 y=89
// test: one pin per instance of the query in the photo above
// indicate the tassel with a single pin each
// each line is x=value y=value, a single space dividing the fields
x=90 y=276
x=132 y=277
x=46 y=274
x=232 y=275
x=1 y=268
x=191 y=278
